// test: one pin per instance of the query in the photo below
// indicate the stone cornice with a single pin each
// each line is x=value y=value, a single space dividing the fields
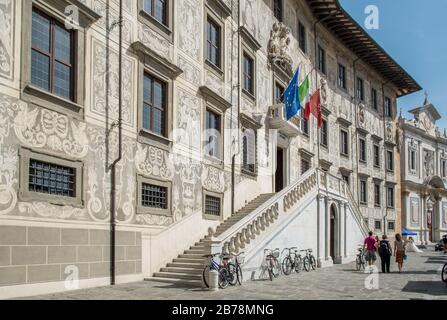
x=215 y=98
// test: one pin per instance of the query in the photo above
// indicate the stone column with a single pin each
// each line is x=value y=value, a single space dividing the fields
x=345 y=238
x=146 y=255
x=328 y=230
x=321 y=229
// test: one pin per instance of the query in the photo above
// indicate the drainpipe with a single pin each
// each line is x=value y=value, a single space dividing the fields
x=233 y=158
x=357 y=158
x=120 y=140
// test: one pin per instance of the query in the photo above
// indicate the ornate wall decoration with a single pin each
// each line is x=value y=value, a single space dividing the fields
x=323 y=91
x=189 y=19
x=111 y=17
x=188 y=120
x=8 y=179
x=362 y=115
x=248 y=16
x=278 y=47
x=46 y=210
x=213 y=179
x=414 y=212
x=155 y=42
x=214 y=82
x=429 y=165
x=105 y=84
x=154 y=220
x=128 y=207
x=38 y=128
x=6 y=38
x=154 y=162
x=190 y=73
x=188 y=174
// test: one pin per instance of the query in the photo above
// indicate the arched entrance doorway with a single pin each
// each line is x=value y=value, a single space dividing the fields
x=433 y=186
x=332 y=224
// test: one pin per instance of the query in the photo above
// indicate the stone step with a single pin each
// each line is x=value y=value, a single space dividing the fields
x=183 y=282
x=182 y=270
x=177 y=275
x=189 y=260
x=192 y=256
x=193 y=251
x=186 y=265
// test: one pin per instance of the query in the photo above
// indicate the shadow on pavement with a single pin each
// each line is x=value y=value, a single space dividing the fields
x=433 y=288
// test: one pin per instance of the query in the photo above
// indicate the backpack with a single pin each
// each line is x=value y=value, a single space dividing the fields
x=384 y=248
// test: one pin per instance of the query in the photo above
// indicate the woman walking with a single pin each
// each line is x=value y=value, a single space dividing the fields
x=399 y=251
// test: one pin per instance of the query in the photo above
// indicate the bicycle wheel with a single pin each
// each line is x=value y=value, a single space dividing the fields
x=270 y=269
x=287 y=265
x=358 y=263
x=276 y=268
x=205 y=275
x=313 y=263
x=223 y=278
x=232 y=274
x=239 y=274
x=298 y=264
x=306 y=264
x=444 y=273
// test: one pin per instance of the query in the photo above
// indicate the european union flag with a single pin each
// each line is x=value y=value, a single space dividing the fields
x=291 y=97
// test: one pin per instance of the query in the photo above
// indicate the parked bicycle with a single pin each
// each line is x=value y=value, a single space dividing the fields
x=272 y=263
x=444 y=273
x=309 y=261
x=238 y=261
x=292 y=261
x=226 y=270
x=360 y=260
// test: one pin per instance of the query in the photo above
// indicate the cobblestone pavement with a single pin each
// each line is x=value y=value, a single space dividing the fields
x=421 y=280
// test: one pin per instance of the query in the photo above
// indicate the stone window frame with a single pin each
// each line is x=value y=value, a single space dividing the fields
x=363 y=138
x=249 y=47
x=394 y=225
x=300 y=26
x=376 y=107
x=393 y=205
x=157 y=182
x=37 y=96
x=217 y=13
x=321 y=47
x=344 y=129
x=363 y=179
x=376 y=145
x=217 y=161
x=282 y=3
x=26 y=154
x=152 y=63
x=220 y=196
x=378 y=183
x=324 y=144
x=413 y=172
x=250 y=124
x=166 y=31
x=377 y=221
x=388 y=169
x=360 y=94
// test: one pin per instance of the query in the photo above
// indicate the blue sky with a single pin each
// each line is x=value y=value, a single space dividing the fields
x=414 y=33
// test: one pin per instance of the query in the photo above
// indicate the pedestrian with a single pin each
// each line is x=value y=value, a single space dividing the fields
x=444 y=239
x=370 y=245
x=385 y=253
x=399 y=251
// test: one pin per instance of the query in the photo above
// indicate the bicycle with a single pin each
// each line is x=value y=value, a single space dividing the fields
x=225 y=270
x=444 y=273
x=289 y=263
x=238 y=261
x=272 y=263
x=309 y=261
x=360 y=260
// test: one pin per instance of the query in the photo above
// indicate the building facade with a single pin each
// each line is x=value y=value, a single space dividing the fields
x=196 y=132
x=424 y=174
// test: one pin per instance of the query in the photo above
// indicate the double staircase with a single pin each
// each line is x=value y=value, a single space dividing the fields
x=187 y=268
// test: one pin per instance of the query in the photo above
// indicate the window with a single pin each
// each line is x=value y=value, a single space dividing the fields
x=378 y=225
x=321 y=60
x=363 y=192
x=154 y=105
x=153 y=196
x=213 y=133
x=304 y=123
x=53 y=179
x=374 y=104
x=341 y=77
x=388 y=108
x=157 y=9
x=362 y=149
x=390 y=160
x=302 y=40
x=248 y=74
x=213 y=43
x=324 y=134
x=277 y=9
x=390 y=197
x=212 y=206
x=377 y=156
x=305 y=166
x=391 y=225
x=360 y=89
x=377 y=197
x=279 y=93
x=412 y=160
x=344 y=142
x=249 y=151
x=52 y=56
x=444 y=168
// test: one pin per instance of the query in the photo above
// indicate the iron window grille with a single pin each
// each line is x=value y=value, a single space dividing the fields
x=212 y=205
x=48 y=178
x=154 y=196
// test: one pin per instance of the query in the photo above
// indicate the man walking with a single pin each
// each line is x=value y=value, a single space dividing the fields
x=385 y=254
x=370 y=246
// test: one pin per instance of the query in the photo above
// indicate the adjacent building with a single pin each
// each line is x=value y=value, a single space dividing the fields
x=98 y=183
x=424 y=174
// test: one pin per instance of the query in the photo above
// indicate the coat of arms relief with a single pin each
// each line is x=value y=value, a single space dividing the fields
x=278 y=49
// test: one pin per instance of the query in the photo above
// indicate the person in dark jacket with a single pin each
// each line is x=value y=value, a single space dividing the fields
x=385 y=253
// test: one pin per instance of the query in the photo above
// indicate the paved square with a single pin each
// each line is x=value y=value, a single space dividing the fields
x=421 y=280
